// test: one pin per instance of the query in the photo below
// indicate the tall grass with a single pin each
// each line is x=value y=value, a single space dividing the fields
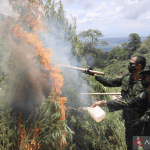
x=53 y=134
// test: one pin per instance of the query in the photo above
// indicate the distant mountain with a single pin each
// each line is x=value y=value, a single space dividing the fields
x=113 y=42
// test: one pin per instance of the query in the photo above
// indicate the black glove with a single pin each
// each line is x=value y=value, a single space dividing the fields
x=88 y=72
x=135 y=122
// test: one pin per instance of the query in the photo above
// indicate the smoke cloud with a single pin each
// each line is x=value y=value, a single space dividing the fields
x=28 y=87
x=62 y=54
x=27 y=84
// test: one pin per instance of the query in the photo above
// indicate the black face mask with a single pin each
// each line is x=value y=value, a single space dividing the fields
x=131 y=68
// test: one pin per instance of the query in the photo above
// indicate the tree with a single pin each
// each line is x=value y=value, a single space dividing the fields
x=143 y=49
x=89 y=51
x=134 y=42
x=126 y=51
x=93 y=35
x=113 y=54
x=145 y=46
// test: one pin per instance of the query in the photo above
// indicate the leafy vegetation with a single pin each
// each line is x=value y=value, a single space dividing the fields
x=78 y=130
x=48 y=121
x=89 y=53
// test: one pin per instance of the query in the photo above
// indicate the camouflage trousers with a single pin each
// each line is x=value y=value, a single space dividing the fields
x=130 y=132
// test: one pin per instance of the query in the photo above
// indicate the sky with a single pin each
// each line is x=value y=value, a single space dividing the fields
x=114 y=18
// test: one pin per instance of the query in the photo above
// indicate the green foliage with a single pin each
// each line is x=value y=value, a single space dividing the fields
x=145 y=47
x=144 y=50
x=93 y=57
x=88 y=52
x=134 y=42
x=53 y=130
x=5 y=132
x=115 y=68
x=91 y=34
x=82 y=132
x=128 y=49
x=125 y=51
x=108 y=134
x=4 y=52
x=114 y=53
x=61 y=29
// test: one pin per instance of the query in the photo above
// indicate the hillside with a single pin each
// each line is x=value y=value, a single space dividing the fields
x=113 y=42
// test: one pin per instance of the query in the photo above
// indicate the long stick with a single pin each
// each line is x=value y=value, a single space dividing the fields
x=82 y=69
x=101 y=93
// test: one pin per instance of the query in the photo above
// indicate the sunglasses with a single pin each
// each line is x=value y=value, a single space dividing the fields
x=131 y=63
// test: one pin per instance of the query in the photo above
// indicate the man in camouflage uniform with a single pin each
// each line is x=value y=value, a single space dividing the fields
x=134 y=102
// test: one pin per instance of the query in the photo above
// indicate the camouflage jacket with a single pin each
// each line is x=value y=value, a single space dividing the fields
x=134 y=101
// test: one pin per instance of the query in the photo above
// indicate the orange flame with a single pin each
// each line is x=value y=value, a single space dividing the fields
x=56 y=78
x=23 y=135
x=45 y=55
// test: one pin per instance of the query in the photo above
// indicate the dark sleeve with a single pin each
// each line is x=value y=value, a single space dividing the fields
x=136 y=101
x=146 y=117
x=114 y=105
x=120 y=103
x=109 y=82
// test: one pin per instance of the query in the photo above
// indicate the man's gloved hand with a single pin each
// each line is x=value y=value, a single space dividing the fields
x=88 y=72
x=135 y=122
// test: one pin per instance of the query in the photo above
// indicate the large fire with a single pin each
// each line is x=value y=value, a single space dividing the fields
x=45 y=59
